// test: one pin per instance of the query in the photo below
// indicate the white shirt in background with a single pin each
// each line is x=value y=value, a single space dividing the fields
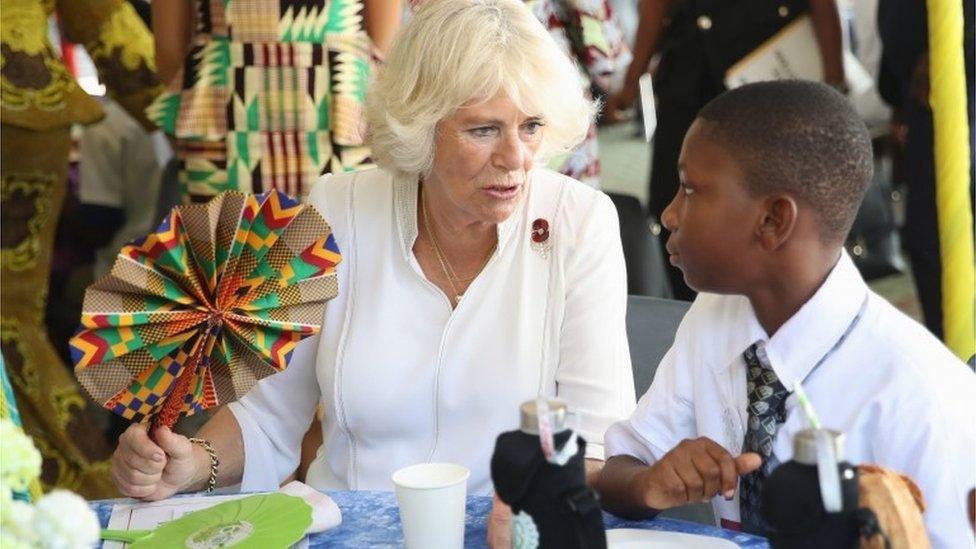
x=120 y=168
x=900 y=397
x=403 y=379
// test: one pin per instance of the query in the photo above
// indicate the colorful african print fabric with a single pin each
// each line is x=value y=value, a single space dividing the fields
x=39 y=101
x=271 y=96
x=194 y=314
x=588 y=34
x=37 y=91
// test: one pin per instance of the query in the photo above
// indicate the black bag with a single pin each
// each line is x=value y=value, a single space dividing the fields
x=873 y=242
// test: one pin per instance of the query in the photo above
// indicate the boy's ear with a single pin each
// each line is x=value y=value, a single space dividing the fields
x=777 y=221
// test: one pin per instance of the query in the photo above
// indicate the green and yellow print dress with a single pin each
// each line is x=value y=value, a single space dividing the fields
x=271 y=96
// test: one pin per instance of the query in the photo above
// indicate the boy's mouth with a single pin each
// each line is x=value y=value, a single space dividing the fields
x=673 y=253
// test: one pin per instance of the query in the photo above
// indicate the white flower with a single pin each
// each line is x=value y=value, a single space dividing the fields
x=15 y=523
x=62 y=520
x=20 y=462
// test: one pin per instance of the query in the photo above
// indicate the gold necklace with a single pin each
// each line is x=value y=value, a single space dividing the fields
x=446 y=267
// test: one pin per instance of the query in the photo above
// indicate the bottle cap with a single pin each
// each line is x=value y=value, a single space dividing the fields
x=530 y=418
x=805 y=446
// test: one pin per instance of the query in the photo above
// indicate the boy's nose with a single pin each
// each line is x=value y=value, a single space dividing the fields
x=669 y=217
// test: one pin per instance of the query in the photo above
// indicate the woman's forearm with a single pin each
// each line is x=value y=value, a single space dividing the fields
x=224 y=433
x=826 y=27
x=172 y=25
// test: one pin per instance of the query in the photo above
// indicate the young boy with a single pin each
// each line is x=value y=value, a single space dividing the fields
x=771 y=177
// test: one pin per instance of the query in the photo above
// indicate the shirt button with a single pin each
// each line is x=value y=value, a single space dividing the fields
x=704 y=22
x=784 y=11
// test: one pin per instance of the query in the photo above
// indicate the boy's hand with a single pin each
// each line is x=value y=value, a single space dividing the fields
x=694 y=471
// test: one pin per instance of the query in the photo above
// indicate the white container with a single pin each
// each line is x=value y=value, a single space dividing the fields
x=431 y=497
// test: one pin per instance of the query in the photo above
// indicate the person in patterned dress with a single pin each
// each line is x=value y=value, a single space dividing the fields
x=588 y=33
x=270 y=93
x=39 y=102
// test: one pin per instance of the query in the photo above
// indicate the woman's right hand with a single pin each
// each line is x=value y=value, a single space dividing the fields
x=154 y=470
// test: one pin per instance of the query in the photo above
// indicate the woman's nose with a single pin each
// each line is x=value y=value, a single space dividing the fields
x=510 y=153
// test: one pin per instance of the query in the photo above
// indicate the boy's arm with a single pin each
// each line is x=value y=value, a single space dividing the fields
x=619 y=488
x=695 y=471
x=657 y=458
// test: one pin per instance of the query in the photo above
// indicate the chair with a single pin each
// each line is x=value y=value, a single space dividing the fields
x=651 y=325
x=646 y=272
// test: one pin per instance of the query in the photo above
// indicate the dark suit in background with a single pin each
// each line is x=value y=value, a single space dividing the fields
x=701 y=40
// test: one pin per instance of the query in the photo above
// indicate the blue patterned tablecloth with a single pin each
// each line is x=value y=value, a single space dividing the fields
x=371 y=519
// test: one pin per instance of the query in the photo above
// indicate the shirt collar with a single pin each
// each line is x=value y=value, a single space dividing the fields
x=405 y=206
x=809 y=334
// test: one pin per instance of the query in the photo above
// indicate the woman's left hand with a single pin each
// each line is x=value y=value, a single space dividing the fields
x=499 y=532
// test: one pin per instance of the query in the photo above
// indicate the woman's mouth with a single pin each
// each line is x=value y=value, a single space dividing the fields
x=502 y=192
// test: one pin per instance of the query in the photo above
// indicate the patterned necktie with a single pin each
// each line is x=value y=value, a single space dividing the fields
x=767 y=403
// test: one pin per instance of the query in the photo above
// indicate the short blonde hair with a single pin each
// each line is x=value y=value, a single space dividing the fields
x=456 y=51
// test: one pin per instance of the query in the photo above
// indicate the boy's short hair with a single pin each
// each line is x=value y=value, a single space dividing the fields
x=798 y=137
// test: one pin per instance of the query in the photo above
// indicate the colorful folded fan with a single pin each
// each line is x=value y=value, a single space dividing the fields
x=195 y=313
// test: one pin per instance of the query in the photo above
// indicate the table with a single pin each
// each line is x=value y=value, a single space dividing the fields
x=371 y=519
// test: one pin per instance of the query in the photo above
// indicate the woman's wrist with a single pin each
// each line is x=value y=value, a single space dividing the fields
x=200 y=478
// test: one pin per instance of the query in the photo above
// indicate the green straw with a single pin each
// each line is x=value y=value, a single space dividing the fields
x=805 y=404
x=127 y=536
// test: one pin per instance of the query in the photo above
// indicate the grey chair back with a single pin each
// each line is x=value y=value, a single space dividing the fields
x=651 y=325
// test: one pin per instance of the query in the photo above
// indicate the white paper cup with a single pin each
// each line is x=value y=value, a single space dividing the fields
x=431 y=497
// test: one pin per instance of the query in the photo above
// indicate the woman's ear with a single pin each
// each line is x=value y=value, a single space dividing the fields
x=777 y=221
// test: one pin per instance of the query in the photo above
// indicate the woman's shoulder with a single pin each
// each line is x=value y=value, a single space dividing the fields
x=574 y=201
x=332 y=193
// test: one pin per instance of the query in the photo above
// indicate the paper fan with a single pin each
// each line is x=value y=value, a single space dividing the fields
x=195 y=313
x=259 y=521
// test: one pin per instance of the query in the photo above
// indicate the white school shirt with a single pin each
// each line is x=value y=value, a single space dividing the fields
x=901 y=398
x=403 y=379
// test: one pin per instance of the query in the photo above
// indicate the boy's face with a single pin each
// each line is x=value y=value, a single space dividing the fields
x=712 y=218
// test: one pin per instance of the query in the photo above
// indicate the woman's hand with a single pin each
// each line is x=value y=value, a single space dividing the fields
x=144 y=469
x=499 y=521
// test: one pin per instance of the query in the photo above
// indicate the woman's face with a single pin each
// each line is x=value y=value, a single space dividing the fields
x=482 y=154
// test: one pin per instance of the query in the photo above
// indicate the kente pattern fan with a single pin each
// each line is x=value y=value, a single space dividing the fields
x=194 y=314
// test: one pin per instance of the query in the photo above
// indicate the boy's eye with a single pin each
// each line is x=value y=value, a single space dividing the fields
x=483 y=131
x=687 y=190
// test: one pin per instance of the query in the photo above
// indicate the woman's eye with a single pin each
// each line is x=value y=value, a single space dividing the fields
x=687 y=190
x=533 y=127
x=483 y=131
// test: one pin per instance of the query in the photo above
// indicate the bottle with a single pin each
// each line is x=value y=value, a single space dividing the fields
x=539 y=472
x=812 y=500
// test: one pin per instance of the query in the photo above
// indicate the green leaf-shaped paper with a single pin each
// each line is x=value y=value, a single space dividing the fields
x=259 y=521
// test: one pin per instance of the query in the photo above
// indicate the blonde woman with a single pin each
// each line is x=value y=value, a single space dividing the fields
x=472 y=279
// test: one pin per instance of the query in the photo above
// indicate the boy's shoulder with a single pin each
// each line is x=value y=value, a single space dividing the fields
x=906 y=348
